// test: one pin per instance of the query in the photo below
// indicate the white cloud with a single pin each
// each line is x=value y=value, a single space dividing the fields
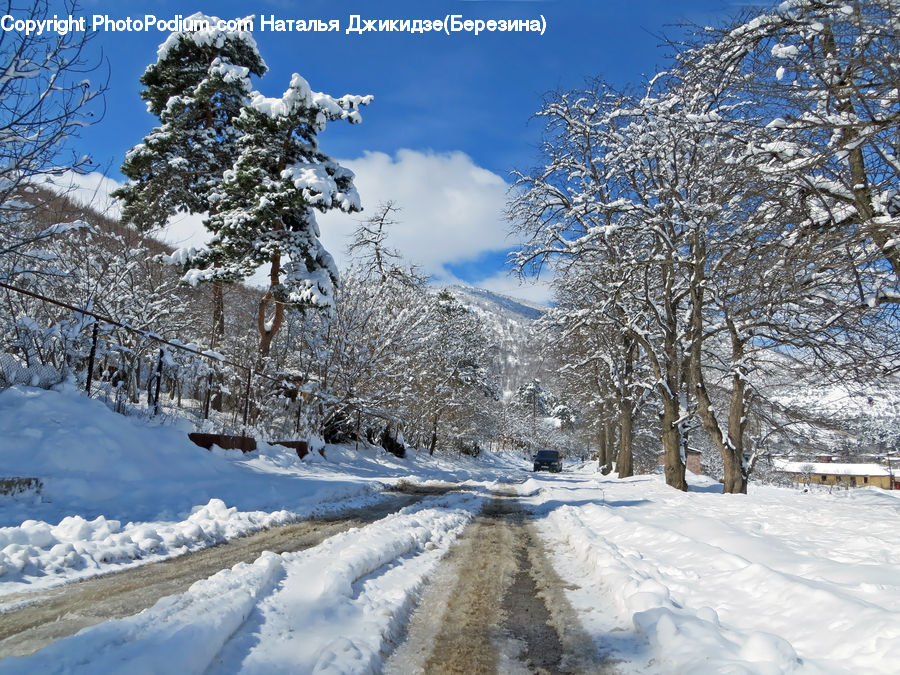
x=185 y=230
x=538 y=290
x=88 y=189
x=451 y=209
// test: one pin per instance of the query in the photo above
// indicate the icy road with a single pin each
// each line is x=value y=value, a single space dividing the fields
x=570 y=573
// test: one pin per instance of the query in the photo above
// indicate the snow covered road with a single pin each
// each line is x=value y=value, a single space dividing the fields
x=659 y=581
x=637 y=578
x=496 y=605
x=49 y=615
x=327 y=609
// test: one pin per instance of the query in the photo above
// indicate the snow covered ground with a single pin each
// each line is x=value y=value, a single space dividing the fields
x=118 y=493
x=329 y=609
x=777 y=581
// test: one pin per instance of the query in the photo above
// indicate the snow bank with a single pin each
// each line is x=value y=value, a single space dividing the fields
x=81 y=449
x=37 y=549
x=776 y=581
x=682 y=639
x=117 y=492
x=329 y=609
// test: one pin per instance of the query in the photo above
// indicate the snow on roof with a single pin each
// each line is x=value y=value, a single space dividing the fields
x=833 y=468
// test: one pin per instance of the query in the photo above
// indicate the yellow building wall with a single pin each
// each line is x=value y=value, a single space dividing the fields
x=878 y=481
x=883 y=482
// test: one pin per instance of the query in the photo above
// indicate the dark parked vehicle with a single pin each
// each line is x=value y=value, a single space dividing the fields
x=548 y=459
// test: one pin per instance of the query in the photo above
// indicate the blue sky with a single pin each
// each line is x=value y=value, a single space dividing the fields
x=451 y=116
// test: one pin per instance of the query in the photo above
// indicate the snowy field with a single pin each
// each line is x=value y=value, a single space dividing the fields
x=778 y=581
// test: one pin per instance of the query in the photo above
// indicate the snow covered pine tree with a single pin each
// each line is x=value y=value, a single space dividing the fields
x=250 y=162
x=197 y=88
x=265 y=204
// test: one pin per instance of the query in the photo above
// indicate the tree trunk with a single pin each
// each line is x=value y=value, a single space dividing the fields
x=609 y=430
x=670 y=387
x=735 y=471
x=603 y=452
x=433 y=443
x=267 y=332
x=218 y=332
x=625 y=458
x=671 y=440
x=735 y=481
x=730 y=446
x=218 y=294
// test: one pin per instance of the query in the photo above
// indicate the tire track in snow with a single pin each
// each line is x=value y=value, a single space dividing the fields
x=328 y=612
x=340 y=604
x=64 y=610
x=496 y=605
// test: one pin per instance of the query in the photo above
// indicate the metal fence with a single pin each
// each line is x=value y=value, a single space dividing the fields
x=147 y=375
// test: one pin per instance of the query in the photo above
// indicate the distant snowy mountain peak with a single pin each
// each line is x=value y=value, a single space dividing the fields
x=511 y=322
x=496 y=303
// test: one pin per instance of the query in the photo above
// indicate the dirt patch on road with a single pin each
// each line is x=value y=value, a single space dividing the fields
x=495 y=605
x=528 y=620
x=407 y=488
x=64 y=610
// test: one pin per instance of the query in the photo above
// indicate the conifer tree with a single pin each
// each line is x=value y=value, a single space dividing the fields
x=197 y=88
x=264 y=207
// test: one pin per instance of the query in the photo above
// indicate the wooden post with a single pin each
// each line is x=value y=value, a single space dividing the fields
x=91 y=358
x=247 y=396
x=159 y=364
